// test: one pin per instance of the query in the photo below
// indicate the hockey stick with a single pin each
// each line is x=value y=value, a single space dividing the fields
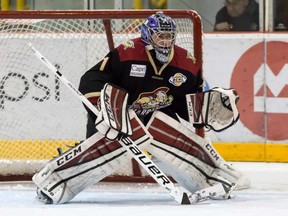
x=181 y=195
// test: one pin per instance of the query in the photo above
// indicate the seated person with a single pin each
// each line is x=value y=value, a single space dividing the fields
x=238 y=15
x=281 y=15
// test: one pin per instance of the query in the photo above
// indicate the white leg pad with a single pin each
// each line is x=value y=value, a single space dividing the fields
x=64 y=177
x=188 y=153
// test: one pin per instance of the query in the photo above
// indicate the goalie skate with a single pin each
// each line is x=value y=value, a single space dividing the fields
x=42 y=197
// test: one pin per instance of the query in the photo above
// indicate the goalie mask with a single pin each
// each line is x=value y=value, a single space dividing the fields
x=159 y=31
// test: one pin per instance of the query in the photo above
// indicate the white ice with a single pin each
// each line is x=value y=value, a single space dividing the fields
x=268 y=196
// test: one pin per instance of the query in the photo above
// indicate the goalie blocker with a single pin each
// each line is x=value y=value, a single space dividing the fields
x=113 y=120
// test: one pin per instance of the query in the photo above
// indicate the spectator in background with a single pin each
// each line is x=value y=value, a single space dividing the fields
x=238 y=15
x=158 y=4
x=281 y=15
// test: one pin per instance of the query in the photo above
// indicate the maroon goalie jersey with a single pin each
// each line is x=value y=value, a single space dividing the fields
x=151 y=85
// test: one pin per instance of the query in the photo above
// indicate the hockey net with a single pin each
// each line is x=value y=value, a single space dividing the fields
x=37 y=113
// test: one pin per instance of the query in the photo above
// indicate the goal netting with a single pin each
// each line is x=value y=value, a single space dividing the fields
x=38 y=114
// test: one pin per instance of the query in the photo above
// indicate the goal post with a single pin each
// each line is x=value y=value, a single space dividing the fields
x=37 y=113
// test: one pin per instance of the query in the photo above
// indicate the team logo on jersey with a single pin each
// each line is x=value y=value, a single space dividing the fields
x=138 y=70
x=178 y=79
x=128 y=44
x=150 y=101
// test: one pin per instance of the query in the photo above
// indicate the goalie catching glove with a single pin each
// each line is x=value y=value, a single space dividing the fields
x=215 y=109
x=113 y=119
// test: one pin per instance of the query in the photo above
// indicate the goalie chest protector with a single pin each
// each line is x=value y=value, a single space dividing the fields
x=153 y=86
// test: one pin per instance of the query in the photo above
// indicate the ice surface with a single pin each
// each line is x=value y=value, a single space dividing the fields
x=268 y=196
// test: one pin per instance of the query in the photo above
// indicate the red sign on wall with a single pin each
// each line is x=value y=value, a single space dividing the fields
x=261 y=79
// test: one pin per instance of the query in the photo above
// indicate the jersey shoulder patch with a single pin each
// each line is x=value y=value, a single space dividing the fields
x=132 y=50
x=185 y=54
x=184 y=59
x=191 y=56
x=128 y=44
